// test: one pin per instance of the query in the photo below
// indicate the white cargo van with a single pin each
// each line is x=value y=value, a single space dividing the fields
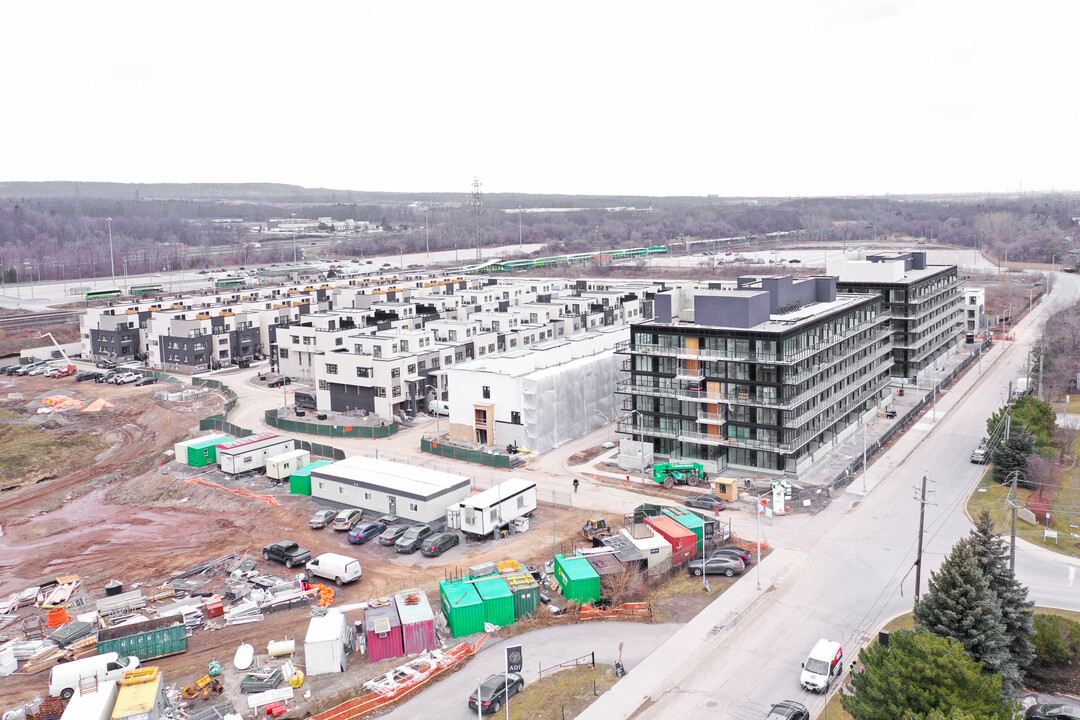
x=824 y=662
x=339 y=568
x=66 y=677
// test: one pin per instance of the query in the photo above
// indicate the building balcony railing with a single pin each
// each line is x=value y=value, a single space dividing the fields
x=954 y=283
x=934 y=339
x=725 y=441
x=689 y=373
x=874 y=338
x=812 y=413
x=711 y=418
x=628 y=427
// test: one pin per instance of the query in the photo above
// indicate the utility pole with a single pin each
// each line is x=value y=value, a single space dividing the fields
x=864 y=456
x=477 y=204
x=1012 y=539
x=918 y=552
x=1041 y=355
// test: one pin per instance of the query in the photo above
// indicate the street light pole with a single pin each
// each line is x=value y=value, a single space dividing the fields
x=1053 y=257
x=112 y=259
x=519 y=227
x=864 y=456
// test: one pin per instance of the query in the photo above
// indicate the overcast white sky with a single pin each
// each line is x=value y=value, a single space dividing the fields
x=783 y=97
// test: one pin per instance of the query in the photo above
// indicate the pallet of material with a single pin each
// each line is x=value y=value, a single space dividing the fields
x=122 y=603
x=60 y=594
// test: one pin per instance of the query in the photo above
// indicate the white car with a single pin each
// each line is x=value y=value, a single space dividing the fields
x=41 y=370
x=125 y=378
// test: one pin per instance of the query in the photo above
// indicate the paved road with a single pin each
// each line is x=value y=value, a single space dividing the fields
x=449 y=697
x=854 y=564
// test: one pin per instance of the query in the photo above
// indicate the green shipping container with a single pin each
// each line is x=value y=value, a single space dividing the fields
x=526 y=594
x=205 y=453
x=462 y=607
x=300 y=481
x=688 y=520
x=146 y=640
x=498 y=601
x=579 y=581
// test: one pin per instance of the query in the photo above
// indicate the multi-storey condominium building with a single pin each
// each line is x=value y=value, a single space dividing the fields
x=974 y=309
x=926 y=302
x=761 y=376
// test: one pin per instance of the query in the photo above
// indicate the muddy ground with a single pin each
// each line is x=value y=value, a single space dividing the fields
x=130 y=514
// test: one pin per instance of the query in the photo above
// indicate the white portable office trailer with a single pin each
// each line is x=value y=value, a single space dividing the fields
x=280 y=467
x=252 y=452
x=486 y=512
x=382 y=487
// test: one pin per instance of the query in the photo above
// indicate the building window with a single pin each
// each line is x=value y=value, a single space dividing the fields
x=324 y=385
x=340 y=490
x=331 y=369
x=413 y=507
x=494 y=514
x=395 y=372
x=515 y=417
x=521 y=501
x=486 y=392
x=422 y=365
x=283 y=353
x=321 y=485
x=296 y=339
x=411 y=370
x=363 y=372
x=380 y=392
x=448 y=360
x=396 y=391
x=367 y=496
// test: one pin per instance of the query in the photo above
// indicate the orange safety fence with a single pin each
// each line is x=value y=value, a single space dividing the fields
x=635 y=609
x=241 y=492
x=374 y=701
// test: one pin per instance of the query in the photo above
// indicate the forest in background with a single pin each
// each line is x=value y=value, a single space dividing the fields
x=59 y=230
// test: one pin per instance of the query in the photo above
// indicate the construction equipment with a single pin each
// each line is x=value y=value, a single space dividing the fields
x=204 y=686
x=594 y=528
x=671 y=474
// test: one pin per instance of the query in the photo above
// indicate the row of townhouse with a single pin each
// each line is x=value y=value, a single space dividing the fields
x=768 y=372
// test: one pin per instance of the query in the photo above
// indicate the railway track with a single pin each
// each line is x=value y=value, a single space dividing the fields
x=40 y=320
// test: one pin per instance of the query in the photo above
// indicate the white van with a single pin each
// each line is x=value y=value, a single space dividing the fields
x=66 y=677
x=824 y=662
x=339 y=568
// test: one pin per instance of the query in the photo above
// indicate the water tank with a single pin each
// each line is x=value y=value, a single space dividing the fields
x=114 y=587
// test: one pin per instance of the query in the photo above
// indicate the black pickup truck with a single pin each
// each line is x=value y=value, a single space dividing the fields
x=288 y=552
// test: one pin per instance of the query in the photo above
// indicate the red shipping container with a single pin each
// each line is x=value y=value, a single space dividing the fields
x=383 y=628
x=683 y=541
x=417 y=621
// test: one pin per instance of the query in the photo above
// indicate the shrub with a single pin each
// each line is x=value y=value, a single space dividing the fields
x=1056 y=640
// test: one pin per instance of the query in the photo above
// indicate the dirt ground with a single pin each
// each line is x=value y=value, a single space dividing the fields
x=130 y=514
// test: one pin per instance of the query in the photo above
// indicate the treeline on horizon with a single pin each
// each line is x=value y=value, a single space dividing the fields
x=59 y=230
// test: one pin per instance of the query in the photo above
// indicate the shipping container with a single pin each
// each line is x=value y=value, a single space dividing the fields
x=690 y=521
x=252 y=452
x=604 y=562
x=579 y=581
x=180 y=449
x=145 y=640
x=282 y=466
x=417 y=621
x=462 y=607
x=526 y=594
x=383 y=628
x=655 y=548
x=683 y=542
x=498 y=600
x=324 y=644
x=141 y=696
x=300 y=481
x=96 y=705
x=204 y=452
x=628 y=553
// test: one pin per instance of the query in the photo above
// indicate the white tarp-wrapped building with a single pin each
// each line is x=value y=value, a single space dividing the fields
x=540 y=397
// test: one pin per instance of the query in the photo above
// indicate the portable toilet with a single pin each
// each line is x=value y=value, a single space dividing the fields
x=204 y=452
x=462 y=607
x=300 y=480
x=498 y=600
x=727 y=489
x=579 y=581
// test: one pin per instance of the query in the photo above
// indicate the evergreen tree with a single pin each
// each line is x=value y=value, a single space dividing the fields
x=961 y=606
x=1012 y=455
x=923 y=677
x=1016 y=610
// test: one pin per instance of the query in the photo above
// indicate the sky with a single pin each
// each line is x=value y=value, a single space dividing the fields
x=759 y=98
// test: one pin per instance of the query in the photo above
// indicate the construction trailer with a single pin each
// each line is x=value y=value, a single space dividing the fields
x=95 y=704
x=324 y=644
x=251 y=453
x=579 y=581
x=485 y=513
x=207 y=449
x=280 y=467
x=141 y=696
x=382 y=487
x=300 y=480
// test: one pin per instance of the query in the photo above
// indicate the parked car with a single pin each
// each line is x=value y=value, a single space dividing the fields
x=1053 y=711
x=107 y=377
x=278 y=382
x=124 y=378
x=717 y=565
x=332 y=566
x=411 y=539
x=105 y=364
x=788 y=710
x=347 y=519
x=494 y=692
x=390 y=535
x=87 y=375
x=439 y=543
x=145 y=380
x=365 y=531
x=9 y=369
x=321 y=519
x=3 y=368
x=734 y=551
x=39 y=369
x=287 y=552
x=705 y=502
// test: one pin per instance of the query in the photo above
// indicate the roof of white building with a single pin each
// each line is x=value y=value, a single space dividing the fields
x=384 y=475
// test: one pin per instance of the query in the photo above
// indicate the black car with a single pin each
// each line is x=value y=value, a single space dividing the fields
x=107 y=377
x=494 y=692
x=105 y=364
x=411 y=539
x=391 y=534
x=717 y=565
x=365 y=531
x=439 y=543
x=734 y=551
x=1053 y=711
x=705 y=502
x=788 y=710
x=278 y=382
x=145 y=380
x=288 y=552
x=87 y=375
